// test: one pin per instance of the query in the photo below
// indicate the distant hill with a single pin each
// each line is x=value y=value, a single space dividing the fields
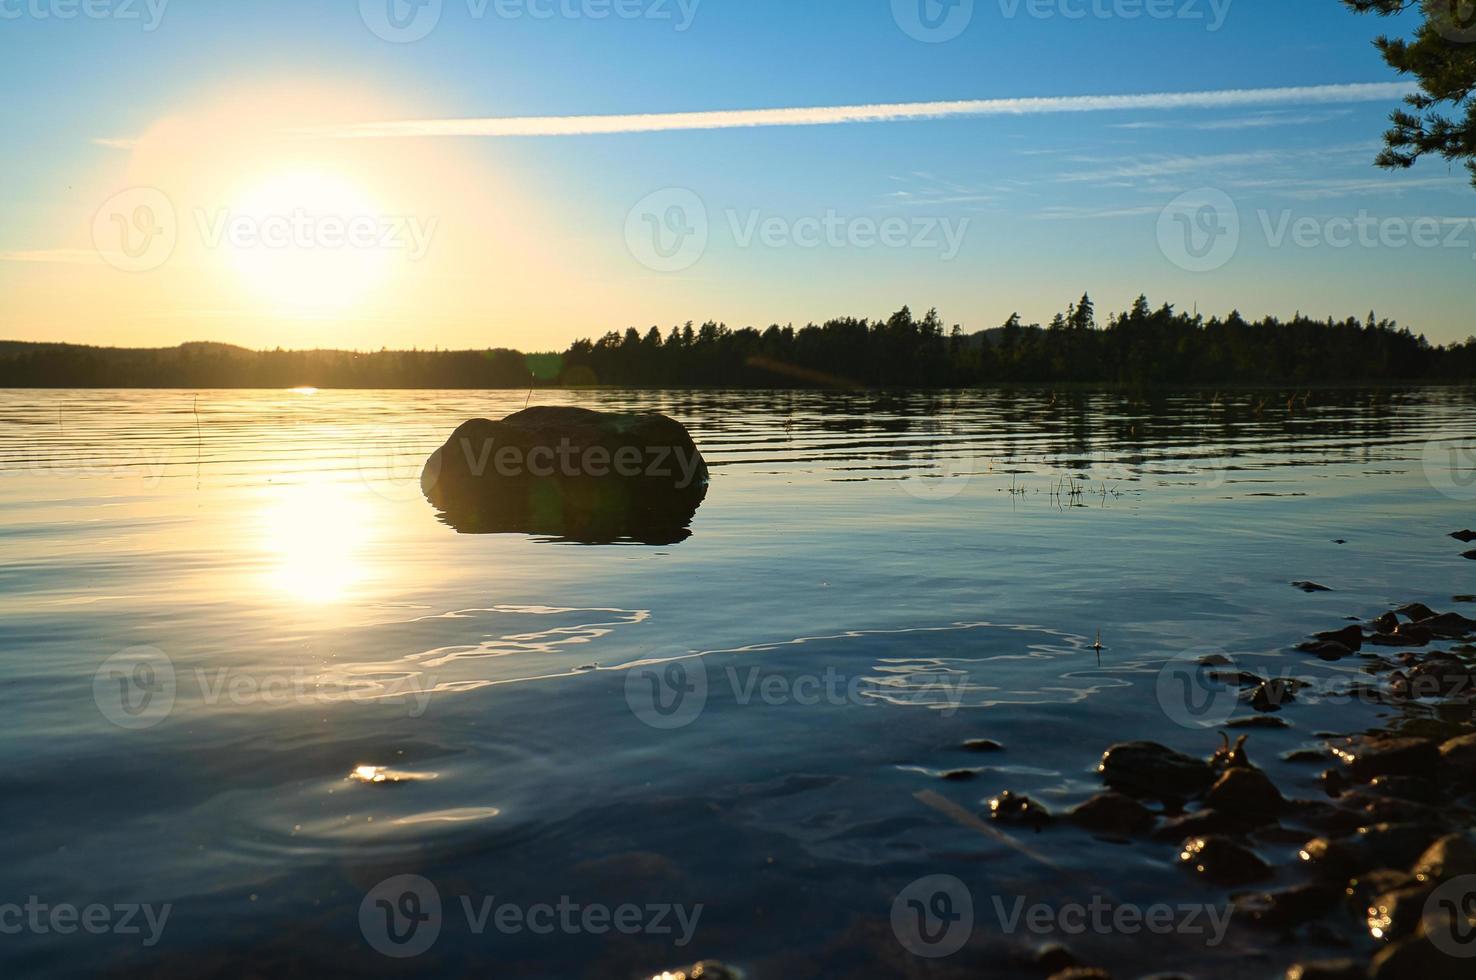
x=1141 y=346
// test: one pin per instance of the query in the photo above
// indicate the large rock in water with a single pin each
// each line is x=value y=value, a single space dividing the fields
x=570 y=473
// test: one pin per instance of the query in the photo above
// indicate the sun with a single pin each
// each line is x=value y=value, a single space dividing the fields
x=306 y=242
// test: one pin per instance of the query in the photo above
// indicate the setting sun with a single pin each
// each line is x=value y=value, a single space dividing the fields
x=306 y=242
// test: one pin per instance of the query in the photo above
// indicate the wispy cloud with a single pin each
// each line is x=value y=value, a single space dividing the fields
x=836 y=115
x=1264 y=120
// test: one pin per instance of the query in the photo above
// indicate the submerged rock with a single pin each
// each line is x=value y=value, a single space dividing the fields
x=1258 y=721
x=1154 y=770
x=1271 y=695
x=1465 y=537
x=982 y=745
x=1018 y=808
x=1329 y=650
x=1311 y=587
x=1349 y=636
x=1416 y=611
x=571 y=473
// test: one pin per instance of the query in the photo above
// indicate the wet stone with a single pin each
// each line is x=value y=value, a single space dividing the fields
x=1273 y=694
x=1259 y=721
x=1206 y=822
x=1245 y=790
x=1396 y=914
x=1370 y=757
x=1349 y=636
x=1328 y=650
x=1222 y=861
x=1290 y=907
x=1459 y=755
x=1328 y=970
x=982 y=745
x=1408 y=635
x=1418 y=958
x=1387 y=623
x=1449 y=857
x=1017 y=808
x=1416 y=611
x=1112 y=813
x=1154 y=770
x=1304 y=755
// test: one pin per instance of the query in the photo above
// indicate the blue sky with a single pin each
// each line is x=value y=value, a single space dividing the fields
x=1043 y=205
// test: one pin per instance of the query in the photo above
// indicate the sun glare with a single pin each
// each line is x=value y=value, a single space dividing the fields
x=314 y=534
x=306 y=242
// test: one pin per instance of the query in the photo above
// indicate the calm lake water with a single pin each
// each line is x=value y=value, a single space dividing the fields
x=248 y=673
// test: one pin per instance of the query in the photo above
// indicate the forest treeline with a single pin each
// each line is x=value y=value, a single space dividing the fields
x=1141 y=346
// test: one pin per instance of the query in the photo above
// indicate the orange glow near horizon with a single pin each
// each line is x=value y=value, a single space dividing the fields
x=279 y=239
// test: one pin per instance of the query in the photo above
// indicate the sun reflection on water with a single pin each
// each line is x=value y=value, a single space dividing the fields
x=316 y=533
